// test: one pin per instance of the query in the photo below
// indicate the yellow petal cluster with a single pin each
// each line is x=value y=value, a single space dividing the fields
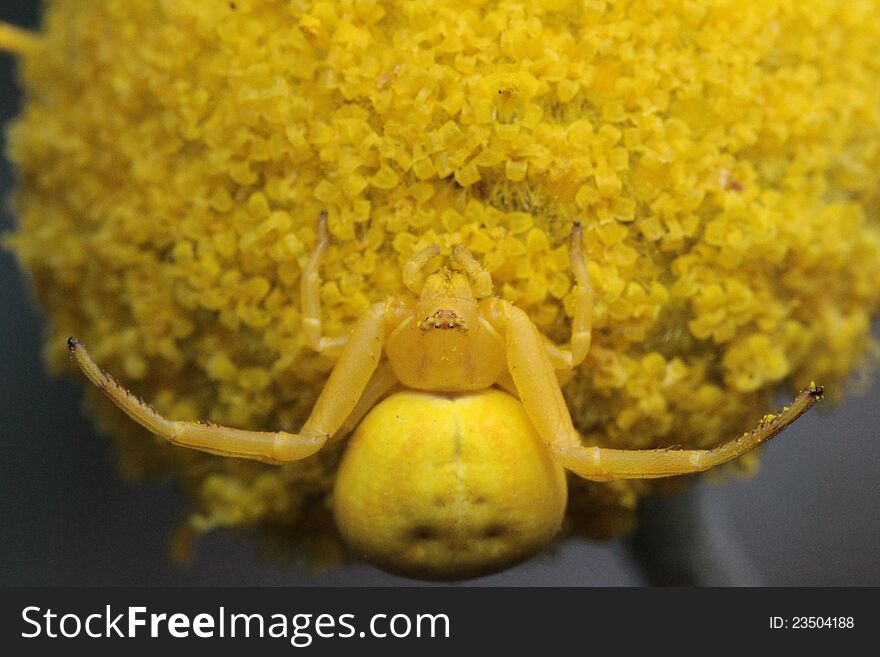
x=721 y=156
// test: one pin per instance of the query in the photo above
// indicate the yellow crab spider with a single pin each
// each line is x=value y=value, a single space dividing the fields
x=462 y=471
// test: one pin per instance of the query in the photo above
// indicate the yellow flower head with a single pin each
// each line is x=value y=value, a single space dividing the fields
x=721 y=158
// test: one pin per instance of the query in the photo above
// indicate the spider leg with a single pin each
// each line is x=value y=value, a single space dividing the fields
x=560 y=359
x=482 y=280
x=337 y=401
x=16 y=40
x=582 y=322
x=533 y=375
x=532 y=372
x=310 y=293
x=505 y=382
x=413 y=274
x=605 y=464
x=381 y=383
x=271 y=447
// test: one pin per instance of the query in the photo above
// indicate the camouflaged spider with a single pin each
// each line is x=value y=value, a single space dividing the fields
x=451 y=343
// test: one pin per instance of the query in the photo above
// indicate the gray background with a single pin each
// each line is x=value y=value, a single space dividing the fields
x=811 y=515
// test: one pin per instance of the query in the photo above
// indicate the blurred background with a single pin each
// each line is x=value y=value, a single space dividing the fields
x=811 y=516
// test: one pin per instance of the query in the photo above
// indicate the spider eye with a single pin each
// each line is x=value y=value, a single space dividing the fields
x=444 y=320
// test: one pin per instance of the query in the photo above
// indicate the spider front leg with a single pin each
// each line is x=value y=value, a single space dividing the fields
x=335 y=404
x=535 y=380
x=381 y=383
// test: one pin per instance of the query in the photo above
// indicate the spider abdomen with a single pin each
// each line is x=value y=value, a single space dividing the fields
x=448 y=486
